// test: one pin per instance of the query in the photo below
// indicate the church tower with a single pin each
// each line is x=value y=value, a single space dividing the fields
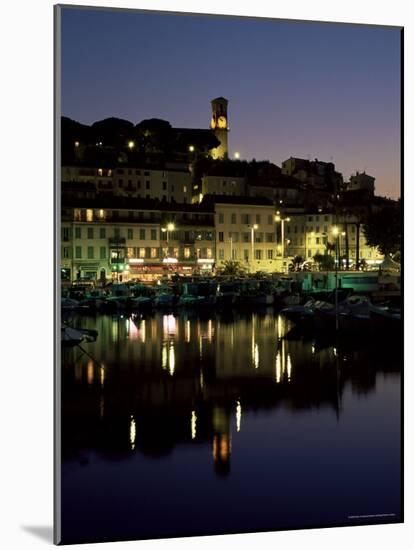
x=220 y=127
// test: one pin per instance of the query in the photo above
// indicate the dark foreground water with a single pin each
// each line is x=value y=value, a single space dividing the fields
x=180 y=424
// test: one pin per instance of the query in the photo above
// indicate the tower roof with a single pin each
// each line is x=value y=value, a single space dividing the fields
x=219 y=99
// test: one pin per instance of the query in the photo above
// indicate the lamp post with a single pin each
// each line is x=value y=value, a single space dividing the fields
x=253 y=228
x=335 y=232
x=278 y=218
x=339 y=249
x=167 y=229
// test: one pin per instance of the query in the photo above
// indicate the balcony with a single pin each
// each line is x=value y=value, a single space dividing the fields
x=117 y=241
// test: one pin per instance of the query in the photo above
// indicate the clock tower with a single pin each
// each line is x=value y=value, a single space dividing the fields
x=220 y=127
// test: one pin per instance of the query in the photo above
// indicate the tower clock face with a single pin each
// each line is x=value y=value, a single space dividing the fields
x=222 y=122
x=213 y=123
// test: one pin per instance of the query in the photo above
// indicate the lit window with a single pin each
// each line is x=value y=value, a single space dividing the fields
x=76 y=143
x=89 y=215
x=186 y=253
x=142 y=252
x=101 y=214
x=100 y=172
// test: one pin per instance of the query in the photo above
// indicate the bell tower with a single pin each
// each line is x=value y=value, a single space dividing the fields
x=220 y=127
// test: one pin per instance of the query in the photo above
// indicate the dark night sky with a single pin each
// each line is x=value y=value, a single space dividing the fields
x=294 y=89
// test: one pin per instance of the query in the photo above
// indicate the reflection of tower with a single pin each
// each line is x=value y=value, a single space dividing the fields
x=221 y=441
x=219 y=124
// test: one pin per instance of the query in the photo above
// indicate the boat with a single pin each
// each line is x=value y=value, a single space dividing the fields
x=71 y=336
x=227 y=294
x=351 y=315
x=190 y=300
x=299 y=314
x=68 y=304
x=256 y=293
x=385 y=317
x=94 y=300
x=119 y=299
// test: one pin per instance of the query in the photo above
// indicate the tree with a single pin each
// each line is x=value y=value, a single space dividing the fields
x=232 y=269
x=324 y=261
x=383 y=228
x=296 y=263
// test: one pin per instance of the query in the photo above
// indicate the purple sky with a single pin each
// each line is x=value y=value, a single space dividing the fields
x=309 y=90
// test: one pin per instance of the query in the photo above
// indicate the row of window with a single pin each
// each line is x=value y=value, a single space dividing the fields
x=101 y=253
x=90 y=252
x=102 y=233
x=246 y=237
x=310 y=228
x=131 y=185
x=141 y=234
x=246 y=218
x=90 y=215
x=259 y=254
x=152 y=234
x=129 y=171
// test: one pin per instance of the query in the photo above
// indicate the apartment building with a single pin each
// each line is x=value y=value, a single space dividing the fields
x=167 y=185
x=245 y=232
x=307 y=235
x=122 y=242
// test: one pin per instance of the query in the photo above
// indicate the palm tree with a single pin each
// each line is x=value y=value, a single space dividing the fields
x=232 y=269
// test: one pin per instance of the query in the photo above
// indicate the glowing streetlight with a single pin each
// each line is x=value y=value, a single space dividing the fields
x=131 y=144
x=335 y=232
x=253 y=228
x=76 y=143
x=191 y=148
x=278 y=218
x=236 y=155
x=170 y=227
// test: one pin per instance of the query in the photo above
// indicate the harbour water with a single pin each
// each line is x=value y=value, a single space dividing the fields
x=186 y=423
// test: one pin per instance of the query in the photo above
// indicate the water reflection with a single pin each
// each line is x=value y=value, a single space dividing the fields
x=216 y=369
x=158 y=384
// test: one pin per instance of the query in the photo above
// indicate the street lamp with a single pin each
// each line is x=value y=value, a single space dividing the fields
x=335 y=232
x=167 y=229
x=191 y=148
x=237 y=155
x=278 y=218
x=253 y=228
x=131 y=144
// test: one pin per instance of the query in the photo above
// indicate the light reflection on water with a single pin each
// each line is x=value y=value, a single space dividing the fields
x=232 y=389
